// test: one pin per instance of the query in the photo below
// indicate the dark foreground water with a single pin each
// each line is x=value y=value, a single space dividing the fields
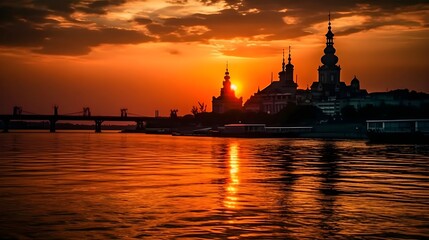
x=121 y=186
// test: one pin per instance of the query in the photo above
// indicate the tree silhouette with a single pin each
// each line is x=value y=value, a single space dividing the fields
x=201 y=108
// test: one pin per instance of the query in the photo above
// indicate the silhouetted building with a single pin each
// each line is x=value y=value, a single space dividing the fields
x=399 y=97
x=277 y=95
x=329 y=93
x=303 y=96
x=227 y=99
x=329 y=86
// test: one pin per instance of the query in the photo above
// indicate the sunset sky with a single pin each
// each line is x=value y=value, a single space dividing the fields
x=159 y=55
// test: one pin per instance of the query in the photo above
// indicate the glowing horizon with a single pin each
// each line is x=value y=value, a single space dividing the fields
x=161 y=55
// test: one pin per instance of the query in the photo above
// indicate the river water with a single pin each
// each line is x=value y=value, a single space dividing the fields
x=82 y=185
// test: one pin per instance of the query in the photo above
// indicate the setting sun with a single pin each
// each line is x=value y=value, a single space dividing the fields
x=214 y=119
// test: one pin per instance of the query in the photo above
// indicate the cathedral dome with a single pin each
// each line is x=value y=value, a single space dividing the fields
x=329 y=60
x=329 y=49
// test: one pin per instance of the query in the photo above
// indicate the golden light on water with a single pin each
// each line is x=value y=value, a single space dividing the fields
x=145 y=186
x=233 y=181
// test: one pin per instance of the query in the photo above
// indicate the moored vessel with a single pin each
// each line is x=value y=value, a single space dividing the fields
x=398 y=131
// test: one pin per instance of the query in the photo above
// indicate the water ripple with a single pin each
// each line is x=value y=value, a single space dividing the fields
x=126 y=186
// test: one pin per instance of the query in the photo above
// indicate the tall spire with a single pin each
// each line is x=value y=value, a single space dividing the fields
x=286 y=75
x=329 y=72
x=329 y=20
x=329 y=58
x=329 y=35
x=226 y=72
x=283 y=63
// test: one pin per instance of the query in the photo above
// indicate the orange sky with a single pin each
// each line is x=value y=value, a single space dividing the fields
x=159 y=55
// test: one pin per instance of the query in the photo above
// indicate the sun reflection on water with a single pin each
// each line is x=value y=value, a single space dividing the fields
x=87 y=185
x=233 y=180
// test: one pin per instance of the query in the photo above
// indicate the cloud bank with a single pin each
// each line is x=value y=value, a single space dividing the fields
x=74 y=27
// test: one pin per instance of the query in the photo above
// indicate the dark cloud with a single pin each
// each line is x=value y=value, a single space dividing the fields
x=21 y=34
x=10 y=14
x=100 y=6
x=30 y=24
x=226 y=24
x=63 y=6
x=142 y=20
x=160 y=29
x=315 y=6
x=50 y=27
x=105 y=3
x=373 y=25
x=255 y=18
x=71 y=6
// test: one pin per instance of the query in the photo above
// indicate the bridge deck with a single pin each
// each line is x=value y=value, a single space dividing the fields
x=97 y=119
x=76 y=118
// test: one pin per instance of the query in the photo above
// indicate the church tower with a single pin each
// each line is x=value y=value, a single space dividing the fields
x=226 y=100
x=329 y=72
x=289 y=69
x=227 y=90
x=286 y=75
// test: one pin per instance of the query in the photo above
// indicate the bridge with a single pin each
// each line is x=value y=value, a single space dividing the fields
x=20 y=115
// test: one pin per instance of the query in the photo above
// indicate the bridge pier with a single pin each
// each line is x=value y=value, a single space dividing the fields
x=98 y=126
x=6 y=120
x=6 y=123
x=52 y=128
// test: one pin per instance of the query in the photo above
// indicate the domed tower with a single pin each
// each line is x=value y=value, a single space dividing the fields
x=227 y=90
x=289 y=69
x=329 y=72
x=227 y=100
x=286 y=75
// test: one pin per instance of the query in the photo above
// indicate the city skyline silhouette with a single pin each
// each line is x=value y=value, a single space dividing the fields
x=157 y=55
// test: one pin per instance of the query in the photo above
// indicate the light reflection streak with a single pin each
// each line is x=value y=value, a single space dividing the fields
x=233 y=181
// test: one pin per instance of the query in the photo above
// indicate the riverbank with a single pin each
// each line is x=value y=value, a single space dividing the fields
x=324 y=131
